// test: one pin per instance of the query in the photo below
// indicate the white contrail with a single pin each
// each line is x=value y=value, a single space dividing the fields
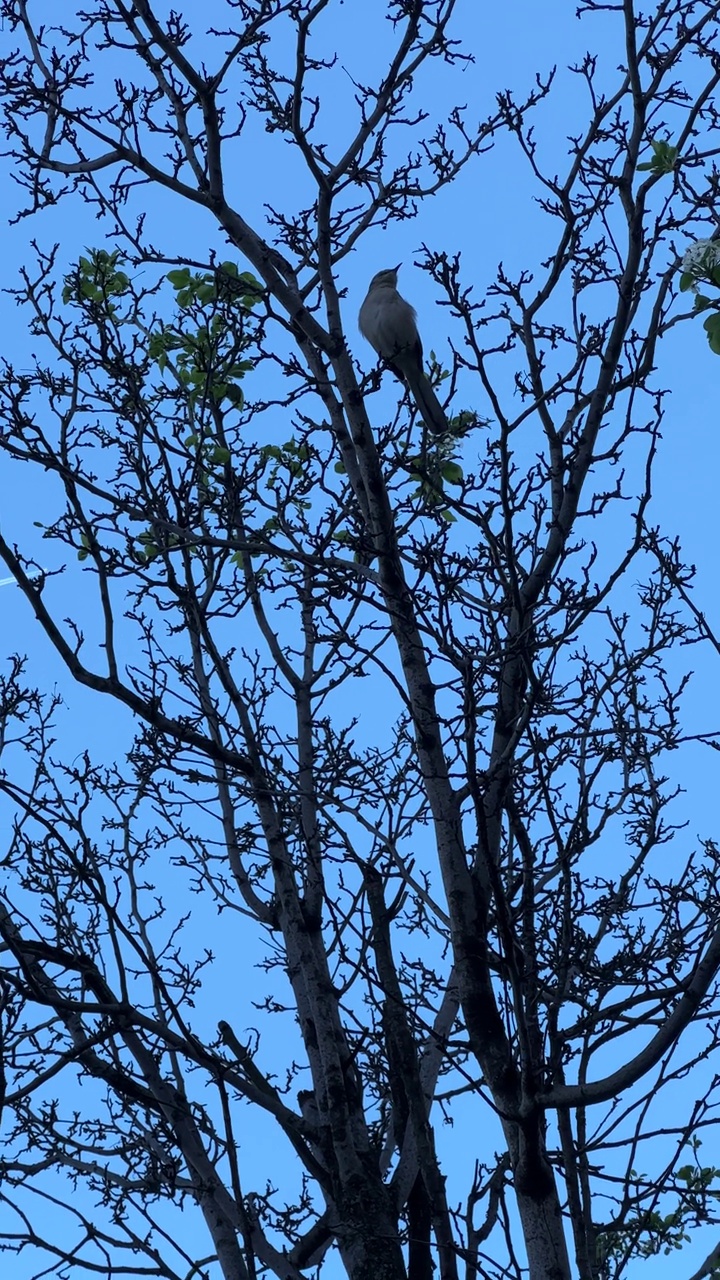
x=10 y=582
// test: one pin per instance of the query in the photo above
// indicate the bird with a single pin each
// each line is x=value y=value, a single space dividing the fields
x=388 y=323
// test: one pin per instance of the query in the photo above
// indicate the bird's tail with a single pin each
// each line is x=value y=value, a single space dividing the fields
x=426 y=401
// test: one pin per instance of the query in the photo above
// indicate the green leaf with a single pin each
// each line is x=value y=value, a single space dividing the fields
x=117 y=283
x=255 y=289
x=687 y=280
x=452 y=472
x=664 y=157
x=180 y=278
x=712 y=328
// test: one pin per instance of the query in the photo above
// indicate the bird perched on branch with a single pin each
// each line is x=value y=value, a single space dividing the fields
x=388 y=323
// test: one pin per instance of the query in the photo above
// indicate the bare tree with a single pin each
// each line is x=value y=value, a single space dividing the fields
x=402 y=705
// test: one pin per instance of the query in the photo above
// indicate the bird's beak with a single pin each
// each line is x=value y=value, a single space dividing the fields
x=397 y=268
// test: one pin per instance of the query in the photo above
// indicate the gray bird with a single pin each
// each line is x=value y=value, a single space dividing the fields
x=388 y=323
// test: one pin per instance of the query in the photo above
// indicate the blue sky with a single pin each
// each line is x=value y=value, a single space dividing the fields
x=489 y=216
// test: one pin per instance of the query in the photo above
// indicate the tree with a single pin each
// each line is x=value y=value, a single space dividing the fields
x=401 y=716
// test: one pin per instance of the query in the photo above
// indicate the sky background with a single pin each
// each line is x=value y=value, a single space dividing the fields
x=488 y=216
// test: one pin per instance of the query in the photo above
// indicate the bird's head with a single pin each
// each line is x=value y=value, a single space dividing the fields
x=386 y=279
